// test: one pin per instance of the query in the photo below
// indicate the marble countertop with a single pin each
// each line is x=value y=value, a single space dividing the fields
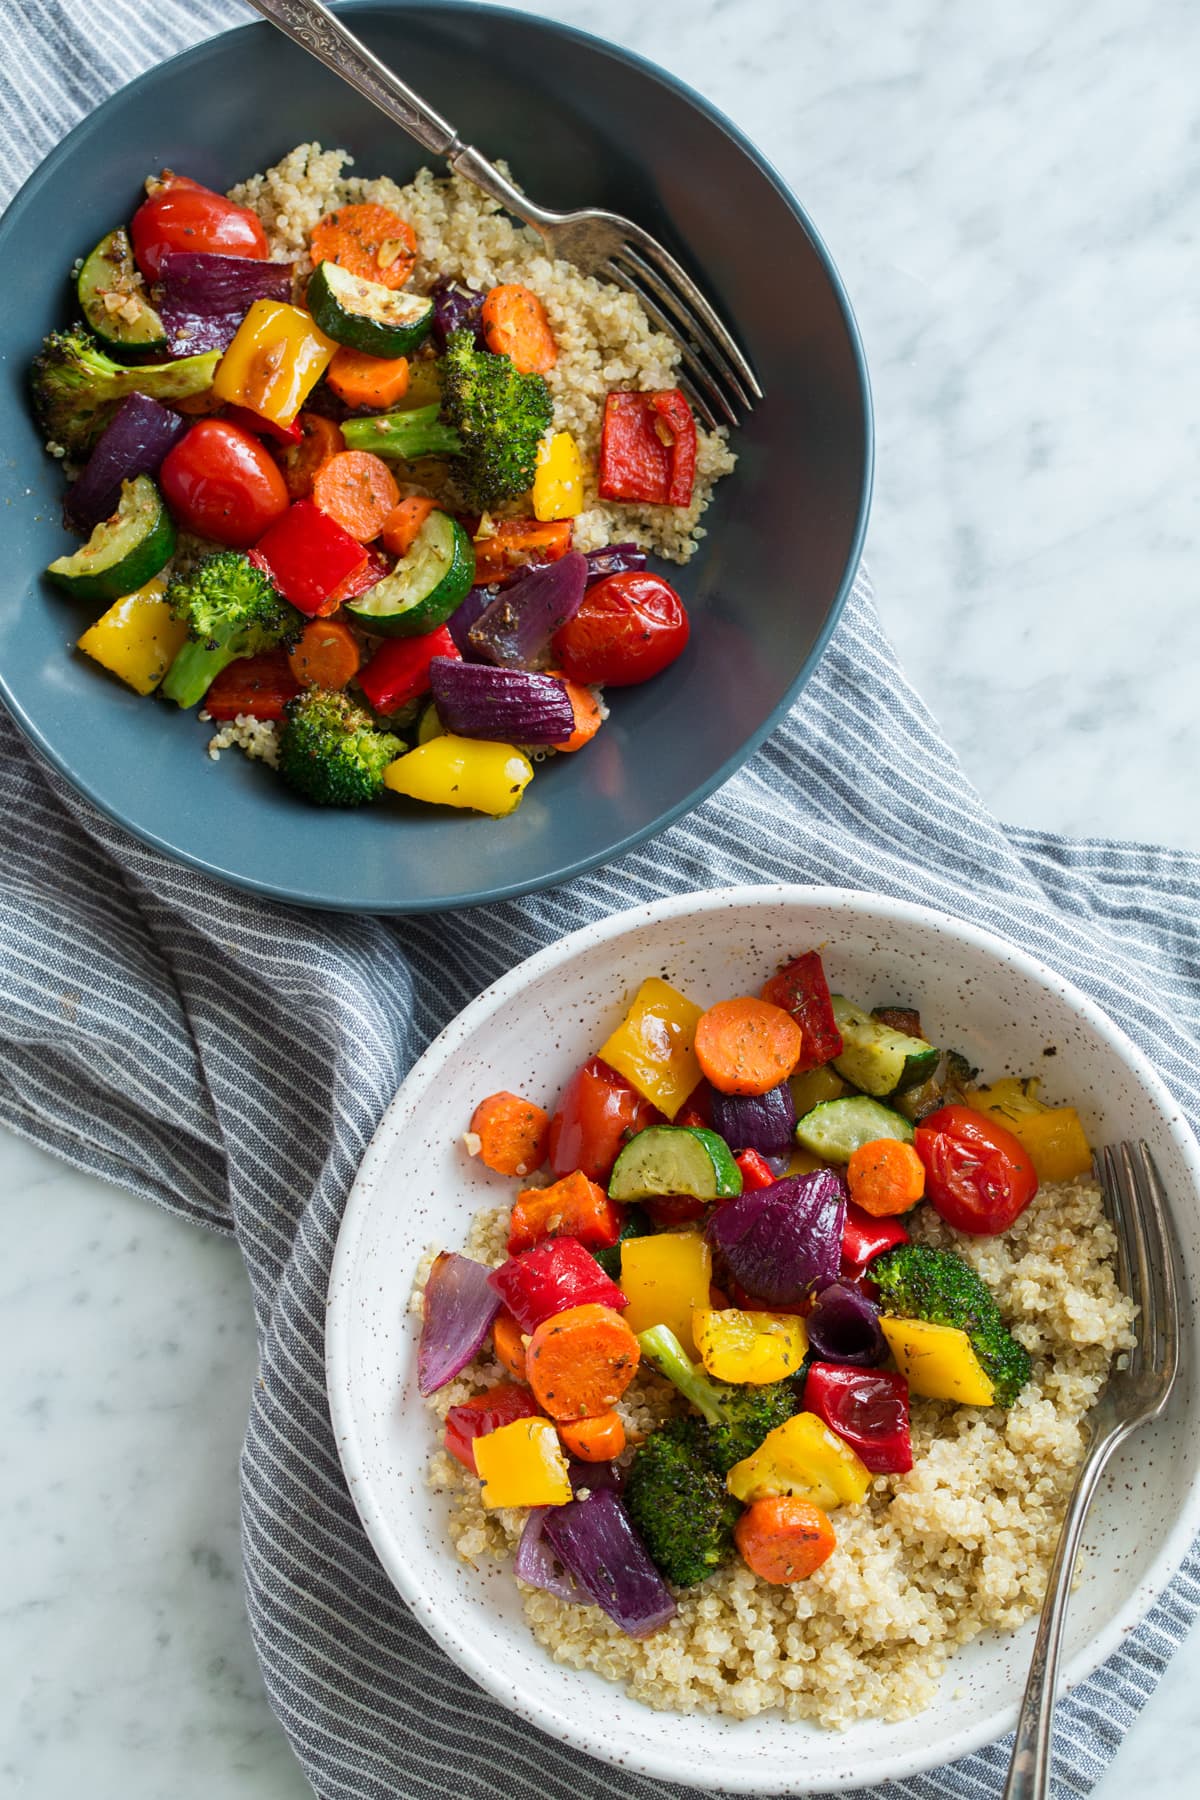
x=1011 y=195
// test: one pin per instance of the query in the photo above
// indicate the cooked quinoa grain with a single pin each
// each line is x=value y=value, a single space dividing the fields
x=960 y=1544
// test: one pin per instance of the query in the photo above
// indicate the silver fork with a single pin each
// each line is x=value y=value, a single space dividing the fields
x=719 y=379
x=1137 y=1392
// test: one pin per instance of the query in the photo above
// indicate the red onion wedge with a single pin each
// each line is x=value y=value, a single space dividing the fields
x=203 y=297
x=507 y=706
x=613 y=559
x=457 y=308
x=134 y=442
x=536 y=1563
x=464 y=616
x=784 y=1242
x=843 y=1327
x=762 y=1122
x=459 y=1309
x=596 y=1543
x=515 y=629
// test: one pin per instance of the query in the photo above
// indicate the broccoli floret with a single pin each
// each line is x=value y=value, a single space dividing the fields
x=679 y=1504
x=330 y=750
x=76 y=386
x=918 y=1282
x=231 y=609
x=500 y=417
x=403 y=435
x=740 y=1416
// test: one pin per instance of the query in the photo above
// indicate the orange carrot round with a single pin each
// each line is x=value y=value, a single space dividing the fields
x=358 y=490
x=300 y=462
x=581 y=1361
x=515 y=325
x=885 y=1177
x=362 y=380
x=371 y=241
x=784 y=1539
x=508 y=1340
x=588 y=717
x=326 y=654
x=512 y=1134
x=594 y=1440
x=747 y=1046
x=404 y=521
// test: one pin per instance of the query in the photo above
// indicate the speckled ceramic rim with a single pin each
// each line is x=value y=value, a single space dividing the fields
x=863 y=910
x=80 y=778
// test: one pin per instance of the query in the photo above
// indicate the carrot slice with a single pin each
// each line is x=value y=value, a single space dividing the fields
x=512 y=543
x=358 y=490
x=572 y=1207
x=747 y=1046
x=885 y=1177
x=371 y=241
x=300 y=462
x=784 y=1539
x=594 y=1440
x=581 y=1361
x=509 y=1342
x=588 y=717
x=326 y=654
x=515 y=325
x=513 y=1134
x=362 y=380
x=404 y=521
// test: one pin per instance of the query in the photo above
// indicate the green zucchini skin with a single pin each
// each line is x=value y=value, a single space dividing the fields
x=365 y=315
x=675 y=1159
x=837 y=1128
x=133 y=330
x=876 y=1058
x=426 y=585
x=123 y=552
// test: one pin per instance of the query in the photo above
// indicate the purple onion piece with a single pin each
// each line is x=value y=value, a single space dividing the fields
x=784 y=1242
x=594 y=1476
x=202 y=297
x=763 y=1122
x=843 y=1327
x=456 y=308
x=506 y=706
x=776 y=1164
x=614 y=559
x=596 y=1543
x=515 y=629
x=536 y=1563
x=464 y=616
x=134 y=442
x=459 y=1309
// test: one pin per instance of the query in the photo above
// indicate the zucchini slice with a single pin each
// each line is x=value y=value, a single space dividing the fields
x=876 y=1058
x=675 y=1159
x=425 y=586
x=365 y=315
x=837 y=1128
x=113 y=300
x=124 y=552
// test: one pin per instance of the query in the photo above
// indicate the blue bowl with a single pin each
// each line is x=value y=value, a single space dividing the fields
x=581 y=123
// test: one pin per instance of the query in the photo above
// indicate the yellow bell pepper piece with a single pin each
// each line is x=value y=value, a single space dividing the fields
x=275 y=360
x=136 y=639
x=938 y=1361
x=558 y=481
x=458 y=771
x=665 y=1277
x=522 y=1464
x=653 y=1047
x=749 y=1346
x=804 y=1458
x=816 y=1086
x=1053 y=1135
x=803 y=1162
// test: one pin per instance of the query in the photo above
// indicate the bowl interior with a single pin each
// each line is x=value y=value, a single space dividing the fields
x=417 y=1187
x=580 y=124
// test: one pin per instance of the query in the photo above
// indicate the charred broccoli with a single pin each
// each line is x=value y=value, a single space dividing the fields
x=739 y=1416
x=331 y=751
x=500 y=416
x=406 y=435
x=76 y=386
x=231 y=609
x=917 y=1282
x=676 y=1496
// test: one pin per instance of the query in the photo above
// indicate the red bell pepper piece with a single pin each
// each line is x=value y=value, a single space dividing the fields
x=308 y=556
x=648 y=448
x=697 y=1108
x=258 y=686
x=516 y=544
x=399 y=669
x=801 y=989
x=756 y=1171
x=666 y=1211
x=864 y=1238
x=496 y=1406
x=597 y=1113
x=259 y=427
x=866 y=1407
x=551 y=1277
x=374 y=569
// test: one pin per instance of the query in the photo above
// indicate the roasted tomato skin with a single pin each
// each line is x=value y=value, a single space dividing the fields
x=630 y=627
x=978 y=1176
x=222 y=483
x=183 y=215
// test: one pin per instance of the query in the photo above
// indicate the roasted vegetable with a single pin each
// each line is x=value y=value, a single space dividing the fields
x=675 y=1495
x=918 y=1282
x=331 y=752
x=500 y=416
x=76 y=387
x=231 y=609
x=740 y=1417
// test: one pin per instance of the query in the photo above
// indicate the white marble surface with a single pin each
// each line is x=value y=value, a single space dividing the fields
x=1012 y=195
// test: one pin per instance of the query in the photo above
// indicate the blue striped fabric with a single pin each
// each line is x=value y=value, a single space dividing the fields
x=139 y=995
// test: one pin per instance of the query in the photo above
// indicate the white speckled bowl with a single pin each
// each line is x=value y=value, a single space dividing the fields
x=416 y=1187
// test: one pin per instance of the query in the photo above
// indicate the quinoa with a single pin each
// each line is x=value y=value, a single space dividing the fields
x=257 y=738
x=959 y=1545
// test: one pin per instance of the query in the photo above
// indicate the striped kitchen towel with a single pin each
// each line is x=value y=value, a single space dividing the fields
x=229 y=1059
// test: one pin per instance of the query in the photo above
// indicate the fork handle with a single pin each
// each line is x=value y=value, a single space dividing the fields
x=1029 y=1770
x=311 y=25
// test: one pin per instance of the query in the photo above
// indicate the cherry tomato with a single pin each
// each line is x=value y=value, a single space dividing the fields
x=629 y=628
x=223 y=484
x=597 y=1114
x=978 y=1176
x=183 y=215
